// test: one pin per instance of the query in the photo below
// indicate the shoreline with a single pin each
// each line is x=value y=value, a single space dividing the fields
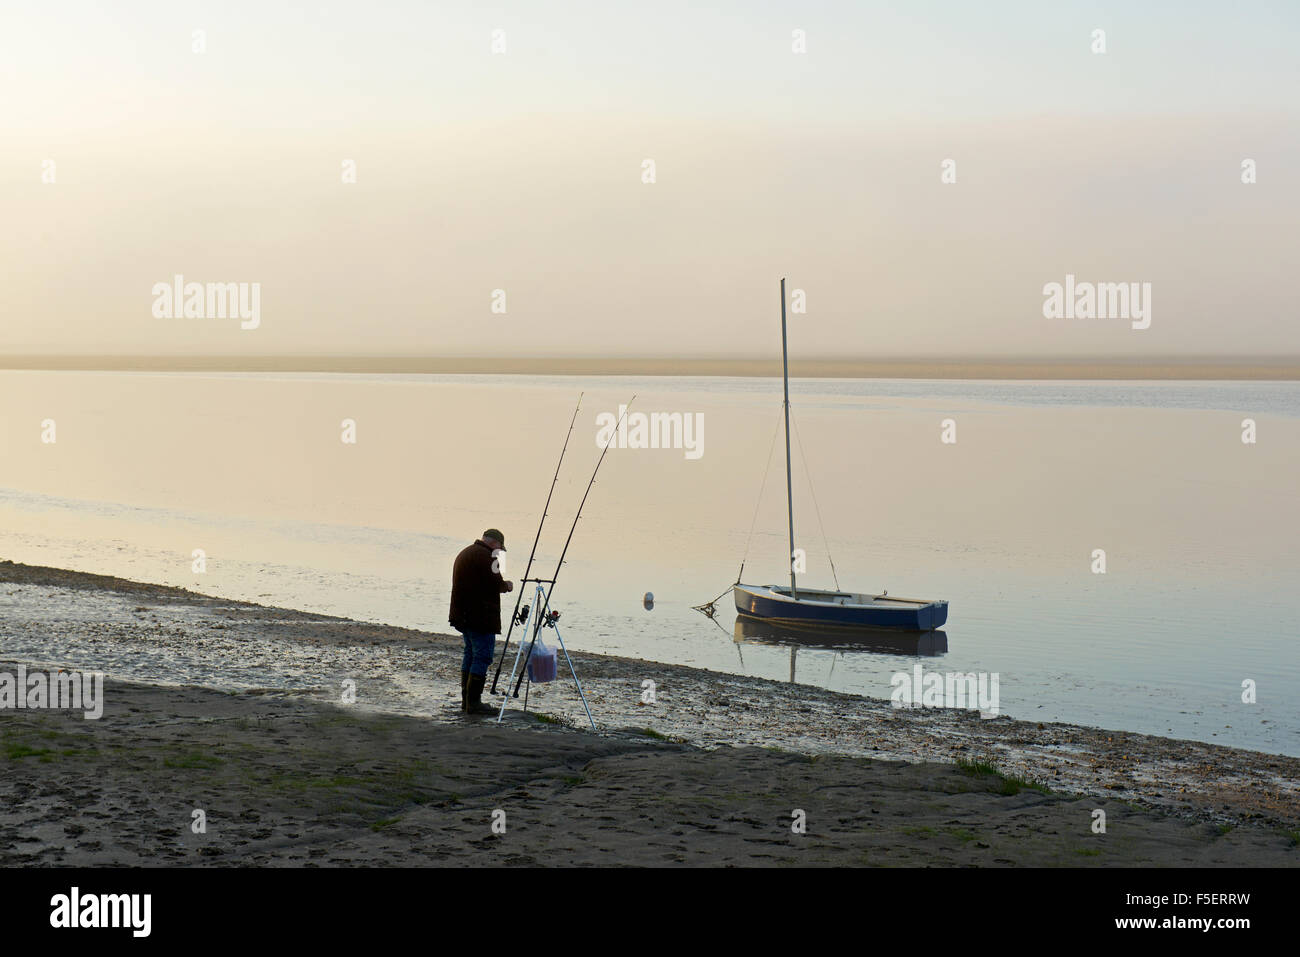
x=1268 y=369
x=1207 y=803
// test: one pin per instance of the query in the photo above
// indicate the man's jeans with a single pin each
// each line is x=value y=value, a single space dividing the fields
x=480 y=649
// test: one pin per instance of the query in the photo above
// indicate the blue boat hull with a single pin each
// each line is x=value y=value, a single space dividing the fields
x=832 y=609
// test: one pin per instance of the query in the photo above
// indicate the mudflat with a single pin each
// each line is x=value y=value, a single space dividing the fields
x=723 y=771
x=289 y=780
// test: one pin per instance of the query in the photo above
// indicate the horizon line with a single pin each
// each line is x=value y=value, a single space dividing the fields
x=900 y=367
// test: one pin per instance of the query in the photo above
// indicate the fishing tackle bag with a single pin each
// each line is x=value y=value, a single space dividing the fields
x=541 y=663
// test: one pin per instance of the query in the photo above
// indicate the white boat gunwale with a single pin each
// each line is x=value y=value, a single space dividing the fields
x=858 y=599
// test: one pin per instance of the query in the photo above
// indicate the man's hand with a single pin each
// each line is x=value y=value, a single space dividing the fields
x=510 y=586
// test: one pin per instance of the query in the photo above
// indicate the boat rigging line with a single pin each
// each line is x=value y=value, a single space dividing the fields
x=808 y=475
x=707 y=609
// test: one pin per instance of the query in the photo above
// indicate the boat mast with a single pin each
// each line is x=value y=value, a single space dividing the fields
x=789 y=492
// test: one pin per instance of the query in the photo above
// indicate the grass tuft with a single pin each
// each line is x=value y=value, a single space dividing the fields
x=19 y=750
x=552 y=719
x=1007 y=784
x=195 y=759
x=977 y=768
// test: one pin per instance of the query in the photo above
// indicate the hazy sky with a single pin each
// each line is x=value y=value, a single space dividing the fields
x=523 y=171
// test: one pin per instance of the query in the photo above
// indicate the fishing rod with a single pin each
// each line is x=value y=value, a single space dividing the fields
x=536 y=538
x=544 y=614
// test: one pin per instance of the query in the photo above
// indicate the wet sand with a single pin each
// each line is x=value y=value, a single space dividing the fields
x=712 y=773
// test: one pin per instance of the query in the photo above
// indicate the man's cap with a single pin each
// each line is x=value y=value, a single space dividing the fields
x=495 y=534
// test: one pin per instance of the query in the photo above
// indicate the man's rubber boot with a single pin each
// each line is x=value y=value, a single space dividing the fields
x=474 y=692
x=464 y=696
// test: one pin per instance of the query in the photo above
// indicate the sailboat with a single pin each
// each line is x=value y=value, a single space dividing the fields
x=778 y=604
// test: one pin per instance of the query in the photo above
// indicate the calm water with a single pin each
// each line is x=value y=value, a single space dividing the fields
x=1199 y=529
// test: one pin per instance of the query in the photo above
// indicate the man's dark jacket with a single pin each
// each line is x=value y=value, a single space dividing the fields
x=476 y=591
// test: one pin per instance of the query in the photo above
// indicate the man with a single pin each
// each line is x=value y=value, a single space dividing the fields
x=476 y=588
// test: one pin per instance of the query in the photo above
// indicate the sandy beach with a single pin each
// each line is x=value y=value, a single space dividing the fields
x=713 y=773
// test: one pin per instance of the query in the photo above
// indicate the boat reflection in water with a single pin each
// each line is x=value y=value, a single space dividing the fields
x=926 y=644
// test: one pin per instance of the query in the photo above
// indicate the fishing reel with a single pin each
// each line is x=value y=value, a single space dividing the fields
x=521 y=615
x=550 y=619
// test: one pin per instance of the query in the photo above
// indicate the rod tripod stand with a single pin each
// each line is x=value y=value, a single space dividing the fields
x=540 y=616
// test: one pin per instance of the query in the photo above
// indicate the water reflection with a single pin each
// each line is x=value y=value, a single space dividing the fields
x=928 y=644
